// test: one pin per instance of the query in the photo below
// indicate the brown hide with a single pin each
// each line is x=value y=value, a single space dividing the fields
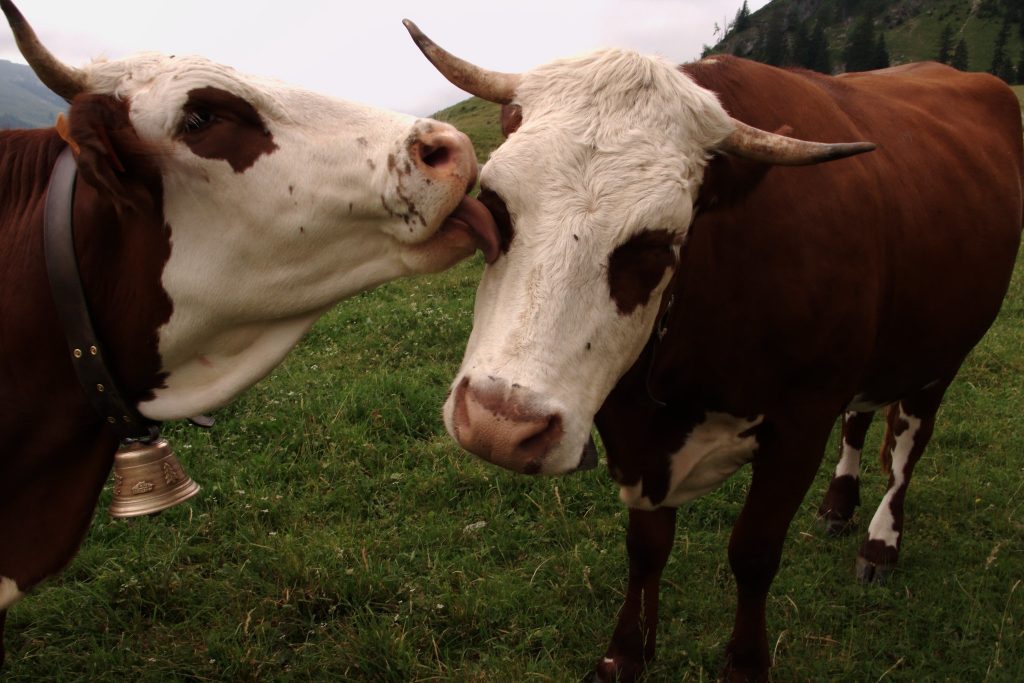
x=56 y=452
x=872 y=276
x=801 y=289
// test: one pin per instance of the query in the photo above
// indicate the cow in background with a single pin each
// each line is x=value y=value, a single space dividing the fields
x=665 y=276
x=216 y=217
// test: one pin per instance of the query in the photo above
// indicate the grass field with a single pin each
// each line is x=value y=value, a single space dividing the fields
x=342 y=536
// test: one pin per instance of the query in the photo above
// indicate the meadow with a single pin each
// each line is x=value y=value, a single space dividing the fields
x=341 y=535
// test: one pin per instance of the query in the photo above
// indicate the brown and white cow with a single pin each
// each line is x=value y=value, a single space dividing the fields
x=664 y=277
x=217 y=216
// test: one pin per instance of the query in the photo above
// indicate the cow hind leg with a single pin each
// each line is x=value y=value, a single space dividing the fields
x=843 y=495
x=649 y=541
x=909 y=426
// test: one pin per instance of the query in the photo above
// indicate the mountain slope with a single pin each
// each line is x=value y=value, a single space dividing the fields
x=24 y=101
x=911 y=28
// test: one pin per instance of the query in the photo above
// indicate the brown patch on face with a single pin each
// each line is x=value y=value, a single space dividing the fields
x=636 y=267
x=221 y=125
x=499 y=211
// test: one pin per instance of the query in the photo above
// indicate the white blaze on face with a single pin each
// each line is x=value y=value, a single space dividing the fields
x=9 y=593
x=599 y=182
x=279 y=203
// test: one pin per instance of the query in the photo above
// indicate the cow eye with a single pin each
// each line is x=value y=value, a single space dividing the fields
x=196 y=120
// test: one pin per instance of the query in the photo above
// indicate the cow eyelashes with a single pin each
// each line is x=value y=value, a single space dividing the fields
x=196 y=120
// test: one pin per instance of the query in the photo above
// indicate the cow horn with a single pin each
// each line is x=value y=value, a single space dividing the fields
x=755 y=144
x=493 y=86
x=62 y=79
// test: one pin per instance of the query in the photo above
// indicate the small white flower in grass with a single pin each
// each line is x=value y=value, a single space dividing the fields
x=475 y=526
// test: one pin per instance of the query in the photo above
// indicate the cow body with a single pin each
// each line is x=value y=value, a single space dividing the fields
x=706 y=314
x=216 y=217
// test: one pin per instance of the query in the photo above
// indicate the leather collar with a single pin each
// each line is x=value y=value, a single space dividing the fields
x=73 y=310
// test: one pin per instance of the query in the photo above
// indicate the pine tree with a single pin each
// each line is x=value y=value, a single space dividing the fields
x=945 y=44
x=960 y=59
x=880 y=55
x=775 y=48
x=861 y=52
x=1001 y=65
x=818 y=58
x=801 y=53
x=742 y=22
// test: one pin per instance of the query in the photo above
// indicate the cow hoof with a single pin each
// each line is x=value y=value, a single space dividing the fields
x=869 y=572
x=835 y=528
x=615 y=670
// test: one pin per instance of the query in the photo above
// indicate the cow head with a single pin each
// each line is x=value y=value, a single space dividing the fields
x=593 y=193
x=276 y=202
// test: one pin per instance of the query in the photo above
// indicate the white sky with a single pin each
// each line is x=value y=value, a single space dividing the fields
x=360 y=50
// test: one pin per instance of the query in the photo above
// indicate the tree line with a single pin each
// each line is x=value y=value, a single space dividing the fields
x=779 y=45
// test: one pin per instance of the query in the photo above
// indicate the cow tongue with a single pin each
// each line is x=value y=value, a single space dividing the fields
x=473 y=217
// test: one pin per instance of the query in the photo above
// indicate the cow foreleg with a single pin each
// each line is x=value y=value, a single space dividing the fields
x=648 y=543
x=909 y=427
x=843 y=495
x=755 y=548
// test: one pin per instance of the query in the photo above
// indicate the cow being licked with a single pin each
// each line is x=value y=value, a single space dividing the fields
x=663 y=278
x=216 y=217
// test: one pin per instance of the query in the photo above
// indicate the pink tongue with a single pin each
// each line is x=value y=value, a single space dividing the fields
x=473 y=217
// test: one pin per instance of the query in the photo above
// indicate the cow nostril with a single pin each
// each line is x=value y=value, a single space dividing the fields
x=542 y=438
x=435 y=156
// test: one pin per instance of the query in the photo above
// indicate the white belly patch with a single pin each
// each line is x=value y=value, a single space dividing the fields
x=713 y=451
x=9 y=593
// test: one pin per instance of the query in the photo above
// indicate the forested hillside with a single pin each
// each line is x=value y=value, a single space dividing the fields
x=833 y=36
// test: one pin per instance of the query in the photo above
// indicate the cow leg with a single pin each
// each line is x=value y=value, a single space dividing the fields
x=843 y=494
x=3 y=652
x=776 y=491
x=648 y=543
x=909 y=426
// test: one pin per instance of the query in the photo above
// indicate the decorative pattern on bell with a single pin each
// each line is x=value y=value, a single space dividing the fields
x=148 y=479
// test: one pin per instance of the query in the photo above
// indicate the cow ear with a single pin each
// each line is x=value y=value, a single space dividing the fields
x=110 y=155
x=511 y=118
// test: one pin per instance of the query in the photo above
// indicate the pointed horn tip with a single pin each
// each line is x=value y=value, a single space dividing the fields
x=848 y=149
x=417 y=35
x=14 y=15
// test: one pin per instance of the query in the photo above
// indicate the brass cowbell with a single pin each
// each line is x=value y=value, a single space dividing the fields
x=148 y=479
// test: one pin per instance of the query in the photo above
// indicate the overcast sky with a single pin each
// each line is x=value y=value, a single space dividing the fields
x=360 y=50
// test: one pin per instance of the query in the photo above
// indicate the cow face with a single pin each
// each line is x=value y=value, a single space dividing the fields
x=278 y=203
x=593 y=195
x=274 y=203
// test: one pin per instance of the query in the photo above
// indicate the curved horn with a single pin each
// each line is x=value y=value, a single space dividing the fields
x=493 y=86
x=755 y=144
x=62 y=79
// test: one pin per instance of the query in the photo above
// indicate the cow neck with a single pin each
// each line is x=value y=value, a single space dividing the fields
x=73 y=310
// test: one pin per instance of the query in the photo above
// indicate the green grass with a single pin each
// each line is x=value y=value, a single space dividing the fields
x=479 y=119
x=340 y=535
